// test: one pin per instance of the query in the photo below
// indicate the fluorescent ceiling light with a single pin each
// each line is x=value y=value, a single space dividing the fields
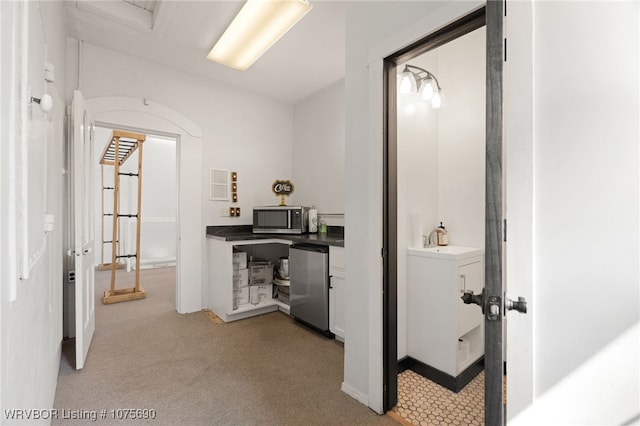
x=258 y=25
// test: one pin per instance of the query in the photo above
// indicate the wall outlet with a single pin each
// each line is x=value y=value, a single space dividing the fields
x=225 y=212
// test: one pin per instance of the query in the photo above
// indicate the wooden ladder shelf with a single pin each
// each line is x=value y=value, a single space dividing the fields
x=120 y=146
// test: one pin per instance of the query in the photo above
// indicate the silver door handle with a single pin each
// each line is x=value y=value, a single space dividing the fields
x=491 y=305
x=511 y=305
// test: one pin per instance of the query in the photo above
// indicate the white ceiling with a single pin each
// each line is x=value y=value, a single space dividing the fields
x=179 y=34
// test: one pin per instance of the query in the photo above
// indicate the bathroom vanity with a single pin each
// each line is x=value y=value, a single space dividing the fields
x=445 y=336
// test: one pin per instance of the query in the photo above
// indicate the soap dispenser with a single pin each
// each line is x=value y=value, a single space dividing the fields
x=442 y=237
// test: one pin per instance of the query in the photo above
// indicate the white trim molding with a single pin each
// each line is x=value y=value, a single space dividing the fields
x=113 y=104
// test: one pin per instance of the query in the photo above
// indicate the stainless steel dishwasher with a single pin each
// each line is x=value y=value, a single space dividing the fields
x=309 y=292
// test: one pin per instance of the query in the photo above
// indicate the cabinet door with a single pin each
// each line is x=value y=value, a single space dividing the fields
x=469 y=278
x=337 y=283
x=337 y=306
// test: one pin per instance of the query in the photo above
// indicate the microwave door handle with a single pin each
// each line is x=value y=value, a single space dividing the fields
x=288 y=219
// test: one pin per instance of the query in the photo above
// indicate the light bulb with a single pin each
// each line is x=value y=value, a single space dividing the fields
x=426 y=90
x=436 y=100
x=407 y=82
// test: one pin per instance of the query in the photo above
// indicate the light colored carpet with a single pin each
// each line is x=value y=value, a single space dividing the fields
x=266 y=370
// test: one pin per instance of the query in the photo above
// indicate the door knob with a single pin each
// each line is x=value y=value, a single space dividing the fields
x=476 y=299
x=491 y=305
x=511 y=305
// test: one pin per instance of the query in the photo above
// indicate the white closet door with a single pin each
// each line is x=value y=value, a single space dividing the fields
x=83 y=226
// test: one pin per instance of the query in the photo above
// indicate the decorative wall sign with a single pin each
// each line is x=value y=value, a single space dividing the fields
x=282 y=188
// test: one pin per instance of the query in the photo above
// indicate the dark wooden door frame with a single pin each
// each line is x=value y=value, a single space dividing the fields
x=390 y=241
x=493 y=362
x=492 y=15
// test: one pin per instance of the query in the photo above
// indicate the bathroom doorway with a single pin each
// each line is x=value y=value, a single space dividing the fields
x=440 y=182
x=492 y=16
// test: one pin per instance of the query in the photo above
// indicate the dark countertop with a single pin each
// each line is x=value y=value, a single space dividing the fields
x=334 y=236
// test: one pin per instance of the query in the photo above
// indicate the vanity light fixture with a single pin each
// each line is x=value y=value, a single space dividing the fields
x=418 y=79
x=258 y=25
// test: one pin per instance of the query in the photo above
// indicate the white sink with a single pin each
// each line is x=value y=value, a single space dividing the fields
x=446 y=252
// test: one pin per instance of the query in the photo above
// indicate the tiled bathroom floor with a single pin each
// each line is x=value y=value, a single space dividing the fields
x=423 y=402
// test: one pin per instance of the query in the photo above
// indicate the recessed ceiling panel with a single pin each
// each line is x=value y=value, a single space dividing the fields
x=179 y=34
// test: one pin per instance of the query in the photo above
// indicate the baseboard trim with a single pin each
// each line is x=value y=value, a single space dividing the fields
x=326 y=333
x=355 y=394
x=404 y=364
x=453 y=383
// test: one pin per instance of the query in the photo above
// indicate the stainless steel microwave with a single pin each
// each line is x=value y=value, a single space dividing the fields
x=280 y=220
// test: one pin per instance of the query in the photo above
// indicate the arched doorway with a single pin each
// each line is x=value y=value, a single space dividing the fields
x=144 y=115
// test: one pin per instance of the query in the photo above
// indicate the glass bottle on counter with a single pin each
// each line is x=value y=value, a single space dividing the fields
x=322 y=226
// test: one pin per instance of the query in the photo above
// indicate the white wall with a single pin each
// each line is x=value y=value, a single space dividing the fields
x=31 y=308
x=242 y=132
x=318 y=149
x=417 y=183
x=461 y=137
x=159 y=204
x=586 y=252
x=441 y=156
x=586 y=176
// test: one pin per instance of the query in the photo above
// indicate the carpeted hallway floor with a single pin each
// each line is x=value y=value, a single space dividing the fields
x=266 y=370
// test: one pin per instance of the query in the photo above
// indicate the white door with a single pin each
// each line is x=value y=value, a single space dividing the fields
x=83 y=226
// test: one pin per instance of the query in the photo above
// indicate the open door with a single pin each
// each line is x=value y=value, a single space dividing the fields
x=492 y=306
x=492 y=300
x=83 y=217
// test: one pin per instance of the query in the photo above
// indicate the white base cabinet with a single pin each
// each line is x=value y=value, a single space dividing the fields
x=220 y=297
x=220 y=288
x=337 y=292
x=443 y=332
